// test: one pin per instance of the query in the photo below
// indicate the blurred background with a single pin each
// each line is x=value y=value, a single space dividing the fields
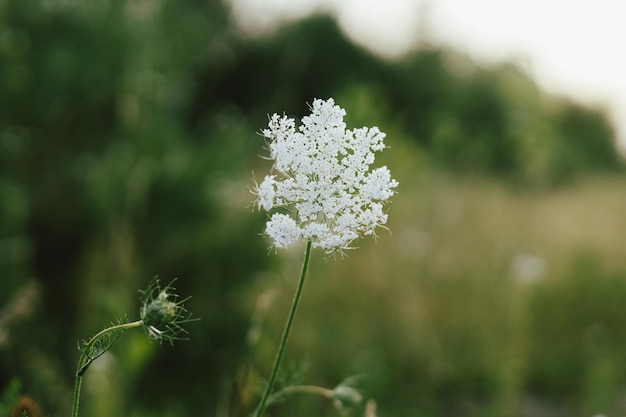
x=128 y=147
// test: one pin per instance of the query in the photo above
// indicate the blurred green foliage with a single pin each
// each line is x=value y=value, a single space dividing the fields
x=128 y=134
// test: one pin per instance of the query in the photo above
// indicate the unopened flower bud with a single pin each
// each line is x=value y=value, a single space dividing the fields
x=161 y=313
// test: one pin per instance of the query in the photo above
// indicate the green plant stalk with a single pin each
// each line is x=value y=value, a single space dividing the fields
x=283 y=341
x=83 y=358
x=307 y=389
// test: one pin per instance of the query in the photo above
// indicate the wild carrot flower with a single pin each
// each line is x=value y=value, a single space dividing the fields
x=326 y=195
x=321 y=180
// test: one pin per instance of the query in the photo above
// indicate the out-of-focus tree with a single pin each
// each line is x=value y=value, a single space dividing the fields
x=468 y=118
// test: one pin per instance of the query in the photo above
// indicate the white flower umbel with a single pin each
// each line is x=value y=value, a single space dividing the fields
x=321 y=180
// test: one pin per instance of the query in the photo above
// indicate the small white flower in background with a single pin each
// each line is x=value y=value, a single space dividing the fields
x=322 y=180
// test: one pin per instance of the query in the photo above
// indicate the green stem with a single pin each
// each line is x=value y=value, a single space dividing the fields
x=306 y=389
x=283 y=341
x=80 y=370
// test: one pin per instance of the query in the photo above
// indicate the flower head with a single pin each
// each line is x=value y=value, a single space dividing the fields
x=162 y=313
x=321 y=178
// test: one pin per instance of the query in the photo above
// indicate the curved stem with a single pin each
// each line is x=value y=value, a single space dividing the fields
x=83 y=361
x=307 y=389
x=283 y=341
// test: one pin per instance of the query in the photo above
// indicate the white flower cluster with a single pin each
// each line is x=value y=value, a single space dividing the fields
x=321 y=179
